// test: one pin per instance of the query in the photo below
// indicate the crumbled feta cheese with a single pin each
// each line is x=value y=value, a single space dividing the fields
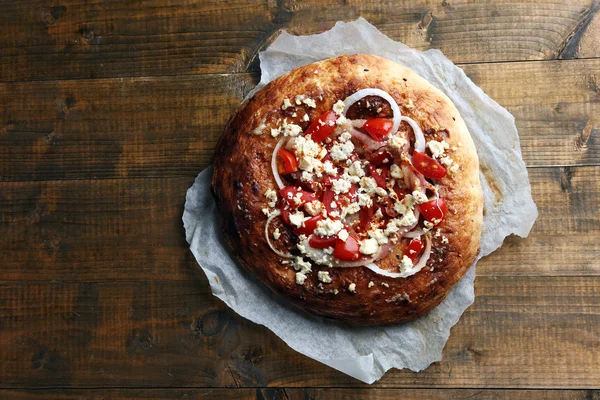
x=437 y=148
x=305 y=117
x=378 y=235
x=324 y=277
x=310 y=102
x=300 y=265
x=379 y=191
x=342 y=151
x=364 y=200
x=420 y=197
x=340 y=185
x=406 y=264
x=259 y=130
x=344 y=137
x=391 y=228
x=290 y=129
x=310 y=164
x=306 y=176
x=352 y=287
x=276 y=234
x=410 y=105
x=444 y=240
x=368 y=184
x=298 y=99
x=274 y=132
x=396 y=172
x=352 y=208
x=338 y=107
x=369 y=246
x=304 y=146
x=328 y=227
x=294 y=115
x=286 y=104
x=268 y=212
x=447 y=161
x=370 y=285
x=300 y=278
x=408 y=219
x=428 y=225
x=397 y=142
x=335 y=291
x=384 y=284
x=272 y=196
x=343 y=235
x=454 y=168
x=314 y=207
x=297 y=218
x=329 y=168
x=356 y=169
x=378 y=214
x=343 y=122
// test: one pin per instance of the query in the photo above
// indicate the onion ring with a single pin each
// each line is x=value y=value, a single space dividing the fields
x=278 y=146
x=278 y=252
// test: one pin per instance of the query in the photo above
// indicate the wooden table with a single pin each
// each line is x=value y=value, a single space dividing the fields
x=109 y=109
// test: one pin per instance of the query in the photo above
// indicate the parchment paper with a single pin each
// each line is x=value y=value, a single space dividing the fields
x=367 y=353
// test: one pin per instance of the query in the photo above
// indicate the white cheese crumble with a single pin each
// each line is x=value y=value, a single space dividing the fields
x=304 y=146
x=384 y=284
x=328 y=227
x=300 y=265
x=329 y=168
x=310 y=164
x=259 y=130
x=272 y=196
x=447 y=161
x=286 y=104
x=378 y=235
x=274 y=132
x=297 y=218
x=356 y=169
x=298 y=99
x=368 y=184
x=444 y=240
x=406 y=264
x=352 y=208
x=324 y=277
x=342 y=151
x=352 y=287
x=314 y=207
x=344 y=137
x=454 y=168
x=305 y=117
x=300 y=278
x=408 y=219
x=396 y=172
x=371 y=284
x=437 y=148
x=290 y=129
x=341 y=185
x=338 y=107
x=310 y=102
x=369 y=246
x=276 y=234
x=420 y=197
x=397 y=142
x=364 y=200
x=343 y=235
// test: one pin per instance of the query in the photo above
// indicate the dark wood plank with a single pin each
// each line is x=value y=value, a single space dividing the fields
x=116 y=128
x=90 y=39
x=522 y=332
x=121 y=229
x=298 y=394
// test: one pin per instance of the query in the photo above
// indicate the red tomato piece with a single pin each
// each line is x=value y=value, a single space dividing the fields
x=379 y=157
x=378 y=128
x=308 y=226
x=348 y=250
x=285 y=212
x=429 y=167
x=434 y=210
x=328 y=199
x=290 y=193
x=380 y=177
x=389 y=209
x=401 y=192
x=290 y=164
x=317 y=242
x=413 y=249
x=323 y=127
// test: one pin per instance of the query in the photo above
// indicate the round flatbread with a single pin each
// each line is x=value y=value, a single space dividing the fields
x=351 y=187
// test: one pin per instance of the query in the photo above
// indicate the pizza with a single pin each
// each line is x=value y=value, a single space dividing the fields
x=351 y=188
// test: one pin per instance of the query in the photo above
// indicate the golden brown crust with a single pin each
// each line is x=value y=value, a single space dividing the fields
x=242 y=174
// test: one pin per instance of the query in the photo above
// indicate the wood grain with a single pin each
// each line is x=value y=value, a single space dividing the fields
x=298 y=394
x=176 y=334
x=86 y=39
x=121 y=229
x=155 y=127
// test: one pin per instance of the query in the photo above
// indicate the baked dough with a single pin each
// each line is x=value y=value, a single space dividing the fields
x=355 y=295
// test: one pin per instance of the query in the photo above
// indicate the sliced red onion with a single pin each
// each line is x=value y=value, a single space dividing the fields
x=416 y=268
x=358 y=263
x=278 y=146
x=380 y=93
x=414 y=234
x=366 y=140
x=358 y=123
x=419 y=138
x=276 y=213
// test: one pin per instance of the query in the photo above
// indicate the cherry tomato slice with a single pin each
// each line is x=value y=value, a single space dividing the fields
x=413 y=249
x=290 y=194
x=434 y=210
x=401 y=193
x=389 y=209
x=290 y=164
x=285 y=213
x=380 y=177
x=328 y=199
x=348 y=250
x=317 y=242
x=379 y=157
x=429 y=167
x=378 y=128
x=324 y=126
x=308 y=226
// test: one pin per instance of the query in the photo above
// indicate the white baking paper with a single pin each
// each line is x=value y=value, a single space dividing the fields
x=367 y=353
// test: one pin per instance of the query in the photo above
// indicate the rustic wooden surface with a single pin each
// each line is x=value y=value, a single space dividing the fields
x=109 y=109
